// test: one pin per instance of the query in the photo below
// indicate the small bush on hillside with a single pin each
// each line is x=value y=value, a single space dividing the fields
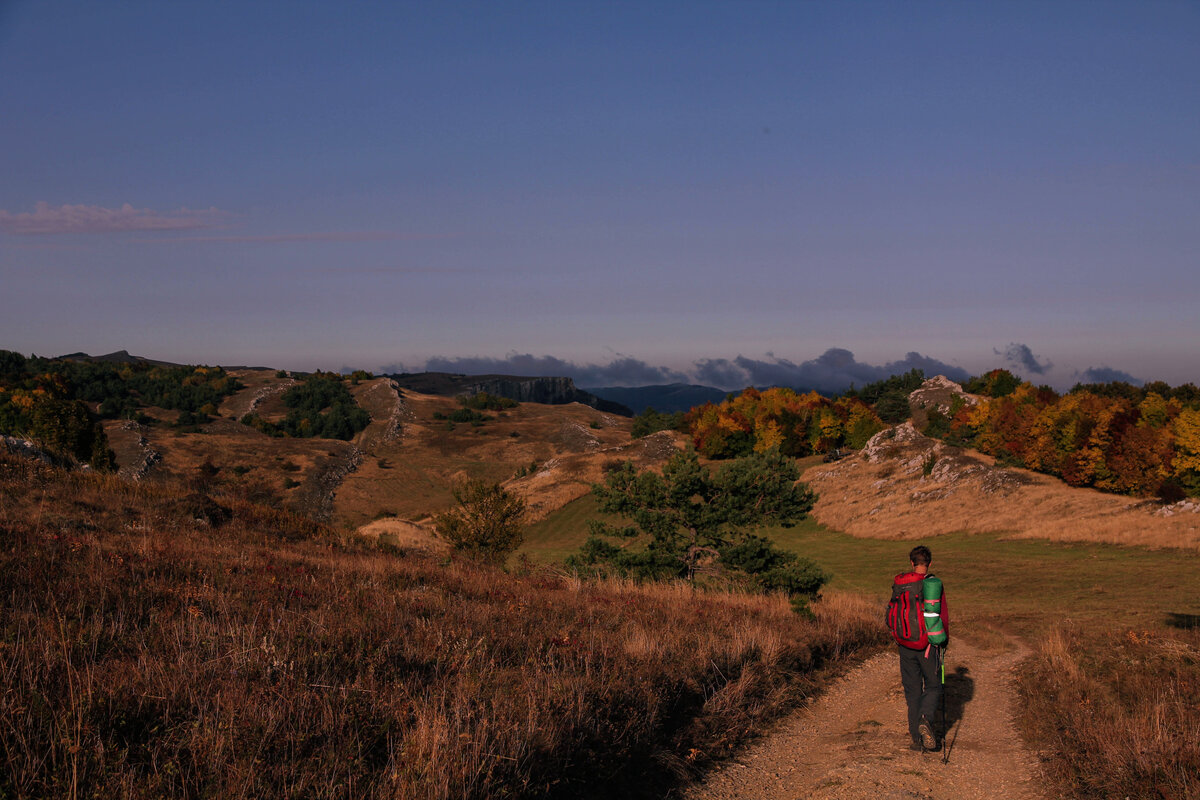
x=204 y=510
x=1170 y=491
x=937 y=425
x=464 y=415
x=487 y=523
x=483 y=401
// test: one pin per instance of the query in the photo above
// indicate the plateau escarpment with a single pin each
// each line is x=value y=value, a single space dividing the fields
x=548 y=390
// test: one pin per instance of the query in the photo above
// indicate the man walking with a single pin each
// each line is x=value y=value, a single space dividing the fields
x=920 y=623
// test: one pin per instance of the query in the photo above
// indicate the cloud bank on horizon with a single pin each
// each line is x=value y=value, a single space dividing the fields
x=834 y=371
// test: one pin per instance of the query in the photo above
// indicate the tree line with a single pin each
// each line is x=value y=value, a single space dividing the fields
x=1116 y=437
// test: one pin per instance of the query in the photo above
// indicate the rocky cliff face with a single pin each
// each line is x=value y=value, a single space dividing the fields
x=549 y=390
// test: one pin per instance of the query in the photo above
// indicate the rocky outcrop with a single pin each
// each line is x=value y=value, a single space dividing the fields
x=939 y=392
x=25 y=449
x=268 y=391
x=315 y=497
x=939 y=469
x=150 y=458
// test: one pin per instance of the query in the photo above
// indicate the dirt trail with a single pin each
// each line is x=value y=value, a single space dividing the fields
x=852 y=743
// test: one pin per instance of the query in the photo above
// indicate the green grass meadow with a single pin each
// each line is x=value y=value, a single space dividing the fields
x=1027 y=584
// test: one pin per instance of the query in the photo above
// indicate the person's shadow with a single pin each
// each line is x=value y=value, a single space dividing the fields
x=959 y=690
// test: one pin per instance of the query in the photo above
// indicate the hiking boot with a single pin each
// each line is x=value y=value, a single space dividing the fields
x=925 y=731
x=916 y=746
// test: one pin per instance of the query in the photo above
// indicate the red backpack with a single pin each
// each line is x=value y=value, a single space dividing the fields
x=905 y=611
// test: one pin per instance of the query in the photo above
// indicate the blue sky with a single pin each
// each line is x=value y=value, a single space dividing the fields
x=626 y=187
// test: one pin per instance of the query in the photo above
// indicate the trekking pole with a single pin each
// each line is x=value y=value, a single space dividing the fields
x=942 y=664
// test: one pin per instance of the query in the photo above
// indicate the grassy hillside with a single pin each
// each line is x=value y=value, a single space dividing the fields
x=161 y=643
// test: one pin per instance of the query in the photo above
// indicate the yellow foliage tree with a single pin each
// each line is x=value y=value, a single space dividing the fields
x=1186 y=464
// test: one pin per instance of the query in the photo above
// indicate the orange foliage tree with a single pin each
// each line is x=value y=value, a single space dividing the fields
x=797 y=424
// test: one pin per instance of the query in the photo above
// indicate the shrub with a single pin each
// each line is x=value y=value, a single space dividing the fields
x=482 y=401
x=1170 y=491
x=487 y=523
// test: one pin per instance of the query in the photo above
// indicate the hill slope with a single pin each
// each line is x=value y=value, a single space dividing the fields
x=903 y=485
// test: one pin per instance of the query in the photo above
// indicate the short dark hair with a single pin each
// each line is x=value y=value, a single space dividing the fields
x=920 y=555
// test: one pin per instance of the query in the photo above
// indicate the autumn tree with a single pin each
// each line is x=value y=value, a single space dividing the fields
x=1186 y=464
x=796 y=424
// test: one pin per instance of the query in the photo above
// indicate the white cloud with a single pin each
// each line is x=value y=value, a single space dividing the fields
x=47 y=219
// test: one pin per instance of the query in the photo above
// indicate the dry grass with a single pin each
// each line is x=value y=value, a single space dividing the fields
x=886 y=494
x=1118 y=712
x=395 y=532
x=144 y=655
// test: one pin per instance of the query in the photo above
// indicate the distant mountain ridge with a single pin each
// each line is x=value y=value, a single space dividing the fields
x=667 y=398
x=125 y=357
x=548 y=390
x=119 y=357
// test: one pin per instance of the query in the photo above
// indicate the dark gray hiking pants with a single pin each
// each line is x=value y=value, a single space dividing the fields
x=922 y=685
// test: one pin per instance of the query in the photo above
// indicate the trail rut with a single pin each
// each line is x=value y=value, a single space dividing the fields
x=852 y=742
